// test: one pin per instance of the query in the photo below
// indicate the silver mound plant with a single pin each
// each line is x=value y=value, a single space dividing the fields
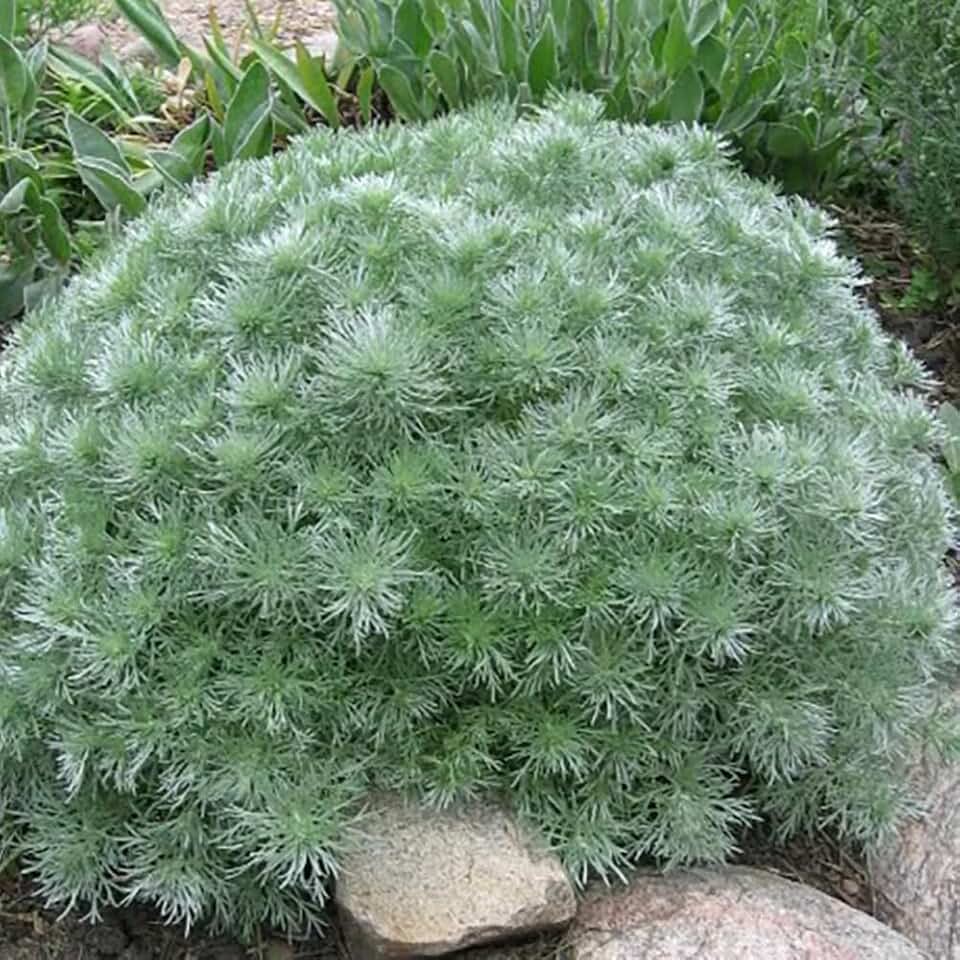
x=548 y=459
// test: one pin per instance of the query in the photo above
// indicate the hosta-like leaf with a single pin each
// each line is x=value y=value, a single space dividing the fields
x=53 y=229
x=408 y=22
x=685 y=97
x=111 y=185
x=677 y=50
x=786 y=141
x=399 y=92
x=90 y=143
x=316 y=88
x=365 y=91
x=444 y=70
x=542 y=61
x=15 y=78
x=248 y=125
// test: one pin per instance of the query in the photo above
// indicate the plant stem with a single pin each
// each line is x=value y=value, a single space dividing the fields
x=611 y=23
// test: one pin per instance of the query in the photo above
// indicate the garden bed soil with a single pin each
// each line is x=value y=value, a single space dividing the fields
x=30 y=932
x=295 y=19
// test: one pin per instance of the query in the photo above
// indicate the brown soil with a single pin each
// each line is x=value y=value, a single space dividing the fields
x=190 y=19
x=29 y=932
x=890 y=260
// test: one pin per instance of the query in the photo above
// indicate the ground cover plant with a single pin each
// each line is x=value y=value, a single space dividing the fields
x=547 y=458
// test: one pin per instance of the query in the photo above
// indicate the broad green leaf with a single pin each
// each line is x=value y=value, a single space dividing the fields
x=444 y=70
x=14 y=76
x=409 y=27
x=399 y=92
x=183 y=160
x=36 y=60
x=826 y=154
x=364 y=92
x=217 y=144
x=706 y=15
x=89 y=142
x=712 y=59
x=478 y=18
x=508 y=42
x=248 y=124
x=353 y=32
x=559 y=9
x=619 y=101
x=793 y=55
x=153 y=26
x=677 y=51
x=279 y=64
x=542 y=62
x=581 y=41
x=8 y=18
x=288 y=110
x=685 y=97
x=23 y=195
x=315 y=88
x=476 y=51
x=343 y=78
x=786 y=141
x=53 y=229
x=191 y=142
x=172 y=167
x=733 y=119
x=111 y=185
x=765 y=81
x=434 y=18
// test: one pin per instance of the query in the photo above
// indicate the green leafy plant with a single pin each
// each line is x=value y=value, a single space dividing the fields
x=258 y=94
x=783 y=79
x=918 y=80
x=36 y=243
x=950 y=418
x=44 y=89
x=550 y=458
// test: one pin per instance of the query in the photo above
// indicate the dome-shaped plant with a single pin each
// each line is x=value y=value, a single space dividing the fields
x=549 y=459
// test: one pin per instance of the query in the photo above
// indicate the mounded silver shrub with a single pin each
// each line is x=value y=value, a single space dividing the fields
x=549 y=458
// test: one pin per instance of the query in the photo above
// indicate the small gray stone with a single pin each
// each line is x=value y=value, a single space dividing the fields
x=734 y=913
x=426 y=883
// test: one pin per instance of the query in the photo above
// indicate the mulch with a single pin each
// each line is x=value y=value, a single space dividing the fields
x=891 y=261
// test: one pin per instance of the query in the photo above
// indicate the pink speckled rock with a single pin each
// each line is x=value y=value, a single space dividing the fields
x=425 y=883
x=87 y=40
x=917 y=875
x=733 y=913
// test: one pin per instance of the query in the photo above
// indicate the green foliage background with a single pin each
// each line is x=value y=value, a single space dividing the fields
x=918 y=80
x=552 y=459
